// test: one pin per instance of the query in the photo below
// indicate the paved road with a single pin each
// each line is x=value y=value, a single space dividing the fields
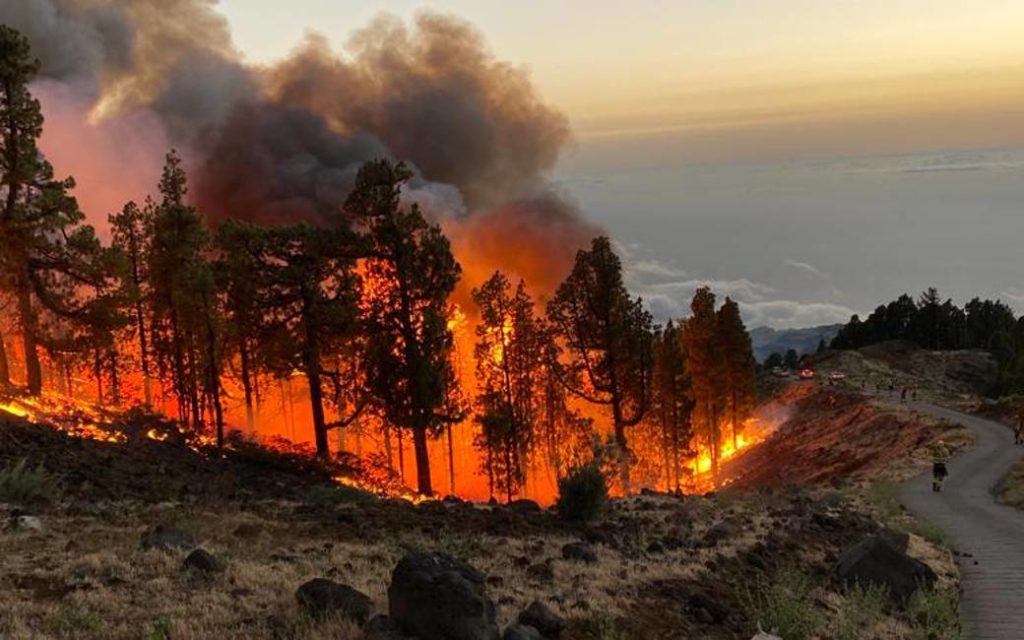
x=993 y=579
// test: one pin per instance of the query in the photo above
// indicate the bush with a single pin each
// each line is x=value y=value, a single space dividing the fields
x=786 y=608
x=20 y=484
x=933 y=615
x=583 y=493
x=860 y=611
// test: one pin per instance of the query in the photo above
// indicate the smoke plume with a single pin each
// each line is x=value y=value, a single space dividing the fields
x=283 y=143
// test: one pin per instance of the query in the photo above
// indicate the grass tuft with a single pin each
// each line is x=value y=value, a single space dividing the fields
x=786 y=609
x=21 y=484
x=933 y=614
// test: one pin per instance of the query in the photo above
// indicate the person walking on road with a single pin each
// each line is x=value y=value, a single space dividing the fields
x=940 y=455
x=1018 y=429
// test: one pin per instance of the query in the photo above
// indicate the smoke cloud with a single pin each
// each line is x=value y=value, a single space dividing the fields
x=283 y=143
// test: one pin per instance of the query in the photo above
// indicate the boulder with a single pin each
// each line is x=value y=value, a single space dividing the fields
x=548 y=623
x=525 y=506
x=898 y=539
x=28 y=523
x=322 y=597
x=541 y=572
x=874 y=561
x=521 y=632
x=579 y=552
x=167 y=539
x=382 y=627
x=434 y=596
x=203 y=562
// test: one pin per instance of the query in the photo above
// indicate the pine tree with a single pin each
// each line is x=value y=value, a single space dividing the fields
x=672 y=403
x=47 y=253
x=237 y=267
x=410 y=273
x=185 y=319
x=305 y=288
x=130 y=234
x=737 y=354
x=509 y=353
x=608 y=339
x=704 y=363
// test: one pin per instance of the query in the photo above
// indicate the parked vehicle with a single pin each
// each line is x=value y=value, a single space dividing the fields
x=836 y=376
x=807 y=374
x=780 y=372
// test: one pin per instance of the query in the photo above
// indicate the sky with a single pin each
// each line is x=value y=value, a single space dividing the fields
x=810 y=158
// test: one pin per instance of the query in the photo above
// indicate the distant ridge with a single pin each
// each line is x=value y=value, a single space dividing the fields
x=768 y=341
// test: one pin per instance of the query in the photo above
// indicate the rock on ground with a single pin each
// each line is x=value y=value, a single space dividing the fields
x=521 y=632
x=202 y=561
x=323 y=597
x=433 y=596
x=382 y=627
x=874 y=561
x=580 y=552
x=548 y=623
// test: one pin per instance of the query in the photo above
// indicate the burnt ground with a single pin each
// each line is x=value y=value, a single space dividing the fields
x=667 y=566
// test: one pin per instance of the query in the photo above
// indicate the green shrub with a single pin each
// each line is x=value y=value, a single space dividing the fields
x=933 y=615
x=930 y=532
x=582 y=493
x=21 y=484
x=328 y=495
x=859 y=613
x=786 y=608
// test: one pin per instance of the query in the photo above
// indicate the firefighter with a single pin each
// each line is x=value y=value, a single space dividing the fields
x=940 y=456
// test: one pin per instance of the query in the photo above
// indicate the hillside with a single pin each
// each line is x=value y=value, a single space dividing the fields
x=226 y=545
x=768 y=340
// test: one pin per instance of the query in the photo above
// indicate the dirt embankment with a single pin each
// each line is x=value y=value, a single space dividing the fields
x=834 y=434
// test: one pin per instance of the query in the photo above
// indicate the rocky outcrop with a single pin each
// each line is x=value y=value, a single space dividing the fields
x=433 y=596
x=876 y=562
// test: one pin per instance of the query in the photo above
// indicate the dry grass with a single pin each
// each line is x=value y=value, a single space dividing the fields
x=1011 y=488
x=87 y=577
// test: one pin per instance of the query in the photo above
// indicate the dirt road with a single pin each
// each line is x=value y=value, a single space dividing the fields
x=989 y=536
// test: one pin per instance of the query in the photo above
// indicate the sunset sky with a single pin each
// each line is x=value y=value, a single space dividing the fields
x=811 y=158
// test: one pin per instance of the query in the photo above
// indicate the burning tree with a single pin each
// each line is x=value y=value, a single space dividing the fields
x=737 y=355
x=130 y=234
x=509 y=353
x=672 y=405
x=51 y=265
x=704 y=362
x=307 y=291
x=184 y=308
x=608 y=338
x=411 y=272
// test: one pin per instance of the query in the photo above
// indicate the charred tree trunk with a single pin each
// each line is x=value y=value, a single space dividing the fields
x=734 y=406
x=147 y=379
x=250 y=415
x=27 y=317
x=401 y=454
x=5 y=365
x=451 y=461
x=115 y=378
x=213 y=373
x=419 y=441
x=387 y=449
x=98 y=372
x=490 y=471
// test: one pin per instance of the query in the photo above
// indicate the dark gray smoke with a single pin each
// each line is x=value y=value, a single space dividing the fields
x=283 y=143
